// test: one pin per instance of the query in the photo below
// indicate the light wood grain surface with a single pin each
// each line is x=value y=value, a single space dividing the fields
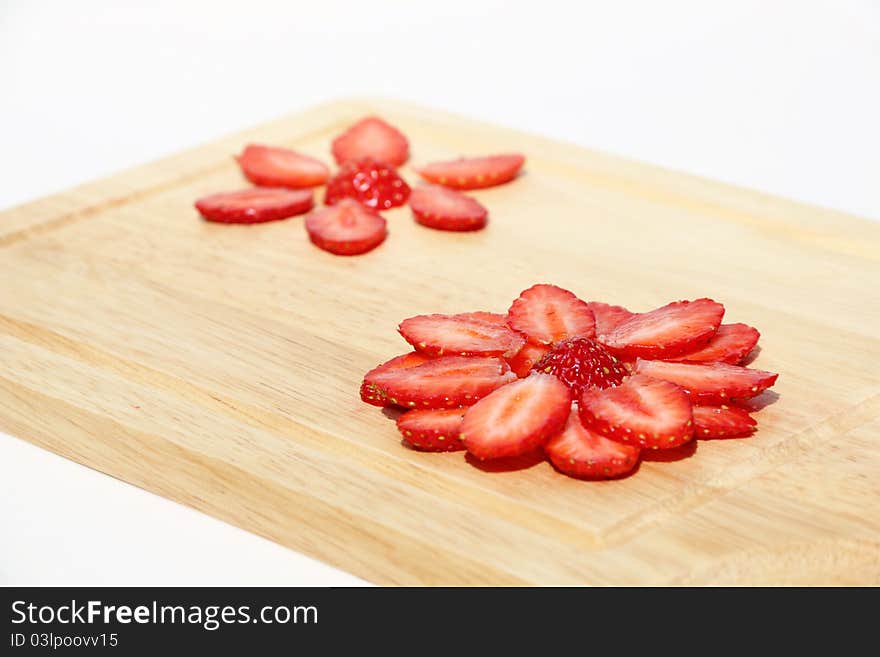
x=219 y=365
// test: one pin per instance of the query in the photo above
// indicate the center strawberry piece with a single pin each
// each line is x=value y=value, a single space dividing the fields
x=368 y=181
x=581 y=364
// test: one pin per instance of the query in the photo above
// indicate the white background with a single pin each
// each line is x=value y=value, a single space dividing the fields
x=779 y=96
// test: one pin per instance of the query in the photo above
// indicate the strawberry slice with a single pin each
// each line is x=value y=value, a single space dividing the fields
x=675 y=329
x=347 y=228
x=445 y=209
x=730 y=344
x=547 y=314
x=608 y=317
x=254 y=206
x=371 y=137
x=517 y=418
x=474 y=172
x=722 y=422
x=368 y=181
x=370 y=393
x=583 y=453
x=641 y=411
x=436 y=335
x=269 y=166
x=710 y=383
x=493 y=318
x=435 y=430
x=522 y=362
x=444 y=382
x=526 y=358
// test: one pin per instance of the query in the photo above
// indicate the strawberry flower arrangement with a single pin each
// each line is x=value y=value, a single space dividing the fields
x=592 y=385
x=368 y=154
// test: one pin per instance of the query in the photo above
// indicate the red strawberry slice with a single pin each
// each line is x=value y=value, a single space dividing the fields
x=608 y=317
x=641 y=411
x=436 y=335
x=547 y=314
x=254 y=206
x=517 y=418
x=526 y=358
x=435 y=430
x=369 y=182
x=444 y=382
x=269 y=166
x=581 y=363
x=583 y=453
x=372 y=137
x=444 y=209
x=371 y=394
x=722 y=422
x=493 y=318
x=730 y=344
x=347 y=228
x=710 y=383
x=666 y=332
x=474 y=172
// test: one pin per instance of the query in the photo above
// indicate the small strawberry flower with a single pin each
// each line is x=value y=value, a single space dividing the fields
x=368 y=154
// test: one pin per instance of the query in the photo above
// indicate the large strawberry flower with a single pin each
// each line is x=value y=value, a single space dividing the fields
x=591 y=384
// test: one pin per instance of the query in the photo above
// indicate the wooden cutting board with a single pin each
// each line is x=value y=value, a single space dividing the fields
x=219 y=365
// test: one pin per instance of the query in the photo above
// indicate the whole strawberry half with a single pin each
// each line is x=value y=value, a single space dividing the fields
x=369 y=182
x=581 y=363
